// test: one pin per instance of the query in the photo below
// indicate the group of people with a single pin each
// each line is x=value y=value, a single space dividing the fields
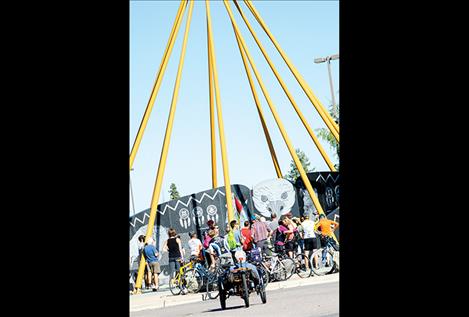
x=287 y=234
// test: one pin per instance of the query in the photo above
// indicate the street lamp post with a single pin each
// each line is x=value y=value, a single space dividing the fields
x=328 y=60
x=131 y=191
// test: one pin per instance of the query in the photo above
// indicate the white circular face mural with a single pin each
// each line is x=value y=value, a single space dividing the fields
x=212 y=213
x=274 y=196
x=184 y=219
x=198 y=212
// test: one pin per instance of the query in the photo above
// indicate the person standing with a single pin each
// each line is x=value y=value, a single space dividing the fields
x=238 y=238
x=300 y=236
x=260 y=233
x=175 y=251
x=273 y=224
x=310 y=238
x=290 y=234
x=247 y=236
x=195 y=246
x=147 y=273
x=326 y=228
x=151 y=255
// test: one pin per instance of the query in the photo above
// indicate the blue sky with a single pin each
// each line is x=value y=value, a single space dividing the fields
x=304 y=29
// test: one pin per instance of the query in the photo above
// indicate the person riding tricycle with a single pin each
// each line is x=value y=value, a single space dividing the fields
x=239 y=277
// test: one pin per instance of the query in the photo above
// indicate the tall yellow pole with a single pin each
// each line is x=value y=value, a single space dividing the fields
x=212 y=117
x=289 y=95
x=331 y=124
x=260 y=112
x=224 y=157
x=159 y=79
x=164 y=150
x=291 y=149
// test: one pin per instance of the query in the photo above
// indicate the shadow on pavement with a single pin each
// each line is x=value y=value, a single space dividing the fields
x=219 y=309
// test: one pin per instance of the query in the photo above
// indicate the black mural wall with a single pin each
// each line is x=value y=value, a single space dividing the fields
x=191 y=213
x=188 y=214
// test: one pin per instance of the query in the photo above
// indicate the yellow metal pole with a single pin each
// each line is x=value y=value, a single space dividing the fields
x=260 y=112
x=224 y=157
x=331 y=124
x=291 y=149
x=212 y=117
x=164 y=150
x=159 y=79
x=287 y=92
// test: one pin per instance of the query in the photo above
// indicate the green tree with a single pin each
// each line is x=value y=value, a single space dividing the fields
x=293 y=173
x=173 y=192
x=326 y=134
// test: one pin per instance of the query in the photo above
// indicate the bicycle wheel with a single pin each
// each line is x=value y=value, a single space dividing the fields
x=322 y=262
x=303 y=268
x=222 y=298
x=245 y=291
x=174 y=286
x=289 y=265
x=263 y=274
x=192 y=281
x=279 y=273
x=212 y=287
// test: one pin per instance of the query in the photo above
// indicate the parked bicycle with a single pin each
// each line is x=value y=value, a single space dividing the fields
x=187 y=279
x=324 y=260
x=279 y=265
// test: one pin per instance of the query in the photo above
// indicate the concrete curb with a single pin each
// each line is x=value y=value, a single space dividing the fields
x=161 y=300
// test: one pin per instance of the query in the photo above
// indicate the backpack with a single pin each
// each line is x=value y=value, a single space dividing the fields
x=255 y=255
x=280 y=236
x=220 y=246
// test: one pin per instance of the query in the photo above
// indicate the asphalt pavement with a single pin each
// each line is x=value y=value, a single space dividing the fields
x=317 y=296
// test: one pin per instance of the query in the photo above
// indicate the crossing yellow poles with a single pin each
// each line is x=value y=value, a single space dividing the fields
x=224 y=156
x=159 y=79
x=212 y=118
x=291 y=149
x=260 y=112
x=287 y=92
x=331 y=124
x=164 y=150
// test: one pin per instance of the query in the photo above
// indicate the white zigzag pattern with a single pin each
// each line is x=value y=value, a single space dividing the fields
x=174 y=208
x=320 y=176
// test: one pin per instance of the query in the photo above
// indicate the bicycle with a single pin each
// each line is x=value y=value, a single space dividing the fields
x=324 y=260
x=302 y=265
x=279 y=266
x=211 y=278
x=187 y=278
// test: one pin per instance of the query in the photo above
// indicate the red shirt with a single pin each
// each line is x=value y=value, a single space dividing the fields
x=246 y=233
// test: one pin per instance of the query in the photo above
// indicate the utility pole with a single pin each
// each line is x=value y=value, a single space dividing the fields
x=328 y=59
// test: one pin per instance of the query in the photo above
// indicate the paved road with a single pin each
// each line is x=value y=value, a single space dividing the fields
x=312 y=301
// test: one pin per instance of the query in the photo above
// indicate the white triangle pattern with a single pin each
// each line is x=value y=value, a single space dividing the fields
x=320 y=176
x=174 y=208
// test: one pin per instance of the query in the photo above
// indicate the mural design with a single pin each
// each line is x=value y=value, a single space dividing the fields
x=274 y=196
x=187 y=214
x=326 y=187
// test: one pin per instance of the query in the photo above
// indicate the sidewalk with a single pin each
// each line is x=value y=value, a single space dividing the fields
x=164 y=298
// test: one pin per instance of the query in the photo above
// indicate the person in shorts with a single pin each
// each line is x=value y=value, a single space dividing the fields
x=290 y=235
x=310 y=239
x=151 y=256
